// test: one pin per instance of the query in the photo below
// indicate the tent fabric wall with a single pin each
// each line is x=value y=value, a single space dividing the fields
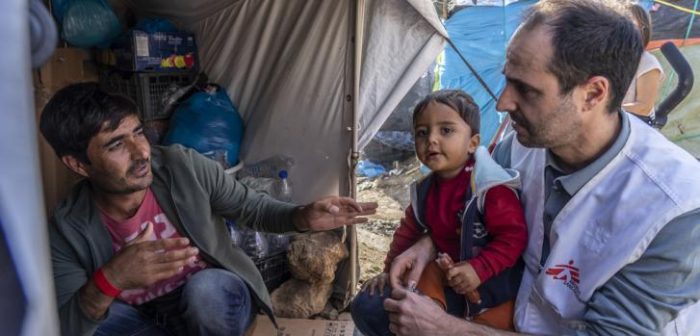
x=400 y=47
x=481 y=33
x=284 y=64
x=287 y=65
x=672 y=24
x=21 y=207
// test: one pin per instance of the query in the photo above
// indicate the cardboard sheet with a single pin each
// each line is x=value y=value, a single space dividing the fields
x=301 y=327
x=66 y=66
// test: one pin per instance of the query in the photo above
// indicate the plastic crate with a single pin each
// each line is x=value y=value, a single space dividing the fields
x=149 y=90
x=274 y=270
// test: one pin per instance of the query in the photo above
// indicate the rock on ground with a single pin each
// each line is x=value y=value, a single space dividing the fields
x=300 y=299
x=314 y=257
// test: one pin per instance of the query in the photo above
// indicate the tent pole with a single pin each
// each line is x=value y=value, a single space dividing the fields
x=355 y=155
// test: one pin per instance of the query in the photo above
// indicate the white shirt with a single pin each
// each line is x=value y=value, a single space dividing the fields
x=647 y=62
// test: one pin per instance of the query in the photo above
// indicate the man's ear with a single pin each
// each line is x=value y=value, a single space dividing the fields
x=75 y=165
x=596 y=93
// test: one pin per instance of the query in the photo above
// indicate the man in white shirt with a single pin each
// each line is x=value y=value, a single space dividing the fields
x=606 y=197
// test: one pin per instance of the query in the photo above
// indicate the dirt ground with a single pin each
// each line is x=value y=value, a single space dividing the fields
x=391 y=192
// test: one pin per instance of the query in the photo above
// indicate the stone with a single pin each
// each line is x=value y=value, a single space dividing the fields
x=300 y=299
x=314 y=257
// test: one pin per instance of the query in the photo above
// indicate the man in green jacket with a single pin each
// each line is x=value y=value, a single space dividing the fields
x=140 y=245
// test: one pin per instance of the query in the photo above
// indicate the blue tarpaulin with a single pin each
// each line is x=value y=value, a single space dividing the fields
x=481 y=33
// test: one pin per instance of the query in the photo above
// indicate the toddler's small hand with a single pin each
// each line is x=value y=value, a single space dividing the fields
x=446 y=264
x=463 y=278
x=444 y=261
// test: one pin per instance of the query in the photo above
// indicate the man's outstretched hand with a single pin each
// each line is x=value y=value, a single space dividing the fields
x=332 y=212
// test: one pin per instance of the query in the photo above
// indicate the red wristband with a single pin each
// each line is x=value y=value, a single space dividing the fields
x=104 y=285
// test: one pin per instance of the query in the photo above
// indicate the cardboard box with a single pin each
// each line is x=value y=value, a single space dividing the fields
x=301 y=327
x=66 y=66
x=152 y=52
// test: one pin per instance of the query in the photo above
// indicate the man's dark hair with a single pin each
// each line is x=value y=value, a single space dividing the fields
x=77 y=113
x=589 y=38
x=459 y=101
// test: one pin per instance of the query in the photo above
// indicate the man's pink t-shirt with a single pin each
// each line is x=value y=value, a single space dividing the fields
x=124 y=232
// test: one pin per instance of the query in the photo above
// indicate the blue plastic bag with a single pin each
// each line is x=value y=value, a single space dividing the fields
x=210 y=124
x=59 y=9
x=89 y=23
x=369 y=169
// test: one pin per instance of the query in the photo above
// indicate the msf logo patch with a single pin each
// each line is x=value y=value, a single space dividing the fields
x=568 y=274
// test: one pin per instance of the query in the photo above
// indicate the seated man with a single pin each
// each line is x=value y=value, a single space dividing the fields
x=140 y=245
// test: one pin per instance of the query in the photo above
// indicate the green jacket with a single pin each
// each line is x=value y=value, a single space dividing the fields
x=195 y=194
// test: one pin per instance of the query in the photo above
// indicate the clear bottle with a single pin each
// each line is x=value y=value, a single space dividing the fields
x=283 y=190
x=236 y=233
x=254 y=244
x=258 y=245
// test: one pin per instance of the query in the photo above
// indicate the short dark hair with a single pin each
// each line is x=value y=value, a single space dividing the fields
x=589 y=38
x=643 y=21
x=77 y=113
x=459 y=101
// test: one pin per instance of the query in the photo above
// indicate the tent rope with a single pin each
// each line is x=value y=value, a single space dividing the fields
x=680 y=8
x=687 y=32
x=690 y=23
x=505 y=121
x=481 y=80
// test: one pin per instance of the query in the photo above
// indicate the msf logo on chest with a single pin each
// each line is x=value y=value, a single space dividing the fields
x=568 y=274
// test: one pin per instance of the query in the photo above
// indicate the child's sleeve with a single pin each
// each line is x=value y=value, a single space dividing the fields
x=504 y=219
x=404 y=237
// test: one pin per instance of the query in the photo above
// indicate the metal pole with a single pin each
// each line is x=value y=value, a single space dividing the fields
x=355 y=155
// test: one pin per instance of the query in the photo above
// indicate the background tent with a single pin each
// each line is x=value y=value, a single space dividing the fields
x=673 y=21
x=481 y=33
x=677 y=22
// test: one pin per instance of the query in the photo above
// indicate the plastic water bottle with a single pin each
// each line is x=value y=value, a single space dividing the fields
x=284 y=190
x=235 y=232
x=254 y=244
x=258 y=245
x=279 y=242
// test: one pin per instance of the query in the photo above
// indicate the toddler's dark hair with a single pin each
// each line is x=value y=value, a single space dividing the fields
x=459 y=101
